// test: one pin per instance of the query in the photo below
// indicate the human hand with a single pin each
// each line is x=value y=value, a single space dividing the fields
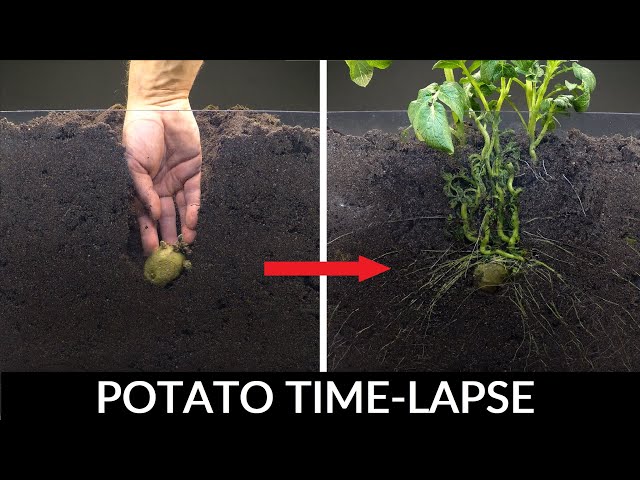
x=162 y=149
x=164 y=157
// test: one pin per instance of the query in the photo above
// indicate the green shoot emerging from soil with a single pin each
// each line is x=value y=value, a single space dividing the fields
x=544 y=101
x=167 y=263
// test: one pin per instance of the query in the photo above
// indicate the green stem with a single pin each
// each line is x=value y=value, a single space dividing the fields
x=500 y=197
x=515 y=225
x=465 y=224
x=511 y=256
x=476 y=87
x=513 y=191
x=534 y=107
x=448 y=75
x=553 y=92
x=548 y=75
x=495 y=136
x=486 y=234
x=520 y=82
x=504 y=92
x=549 y=120
x=458 y=131
x=515 y=109
x=503 y=236
x=484 y=132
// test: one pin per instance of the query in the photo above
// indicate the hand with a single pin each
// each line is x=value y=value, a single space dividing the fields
x=162 y=149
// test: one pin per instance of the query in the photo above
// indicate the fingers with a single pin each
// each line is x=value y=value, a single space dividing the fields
x=148 y=230
x=192 y=200
x=188 y=234
x=168 y=229
x=147 y=194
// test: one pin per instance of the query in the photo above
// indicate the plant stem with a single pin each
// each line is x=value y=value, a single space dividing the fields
x=484 y=132
x=476 y=87
x=465 y=224
x=545 y=127
x=515 y=224
x=458 y=132
x=537 y=97
x=515 y=109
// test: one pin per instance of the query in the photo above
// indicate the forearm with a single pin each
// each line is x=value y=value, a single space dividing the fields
x=160 y=83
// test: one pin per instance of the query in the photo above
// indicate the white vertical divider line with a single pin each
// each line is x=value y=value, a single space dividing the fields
x=323 y=213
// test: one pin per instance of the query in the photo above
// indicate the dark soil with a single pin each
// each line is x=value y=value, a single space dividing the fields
x=72 y=293
x=382 y=193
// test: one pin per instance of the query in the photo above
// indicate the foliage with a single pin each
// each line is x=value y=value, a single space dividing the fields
x=361 y=71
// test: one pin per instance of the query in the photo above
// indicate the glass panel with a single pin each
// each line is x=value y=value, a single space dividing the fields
x=591 y=123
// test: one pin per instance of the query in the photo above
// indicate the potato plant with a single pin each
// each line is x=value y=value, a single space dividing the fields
x=483 y=193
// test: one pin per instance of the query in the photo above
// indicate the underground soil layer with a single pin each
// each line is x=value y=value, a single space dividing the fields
x=72 y=292
x=579 y=214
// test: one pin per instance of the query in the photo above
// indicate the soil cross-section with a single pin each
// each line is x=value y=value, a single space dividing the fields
x=72 y=291
x=579 y=215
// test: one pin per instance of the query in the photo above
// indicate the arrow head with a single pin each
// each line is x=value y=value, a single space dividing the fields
x=368 y=268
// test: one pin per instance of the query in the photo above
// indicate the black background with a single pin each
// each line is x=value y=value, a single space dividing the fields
x=65 y=397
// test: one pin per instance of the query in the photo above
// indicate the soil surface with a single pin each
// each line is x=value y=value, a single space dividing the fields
x=72 y=292
x=581 y=216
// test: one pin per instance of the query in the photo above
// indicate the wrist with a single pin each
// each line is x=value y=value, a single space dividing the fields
x=161 y=84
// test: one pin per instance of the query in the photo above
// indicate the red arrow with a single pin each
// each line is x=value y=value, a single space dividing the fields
x=363 y=269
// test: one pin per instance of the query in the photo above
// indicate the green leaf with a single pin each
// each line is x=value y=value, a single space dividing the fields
x=412 y=111
x=563 y=101
x=448 y=64
x=570 y=86
x=381 y=64
x=487 y=88
x=586 y=75
x=475 y=65
x=430 y=124
x=475 y=106
x=581 y=103
x=430 y=89
x=523 y=65
x=533 y=71
x=454 y=97
x=488 y=70
x=425 y=94
x=493 y=70
x=506 y=70
x=360 y=72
